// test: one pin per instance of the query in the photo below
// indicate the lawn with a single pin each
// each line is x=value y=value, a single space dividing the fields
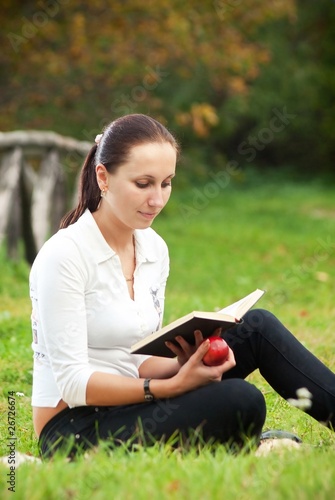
x=224 y=241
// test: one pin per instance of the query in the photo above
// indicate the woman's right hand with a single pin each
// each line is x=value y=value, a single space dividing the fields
x=194 y=373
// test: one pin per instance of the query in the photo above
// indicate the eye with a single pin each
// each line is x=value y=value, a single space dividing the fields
x=142 y=185
x=166 y=184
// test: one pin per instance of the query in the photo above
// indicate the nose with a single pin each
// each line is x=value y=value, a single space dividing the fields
x=156 y=199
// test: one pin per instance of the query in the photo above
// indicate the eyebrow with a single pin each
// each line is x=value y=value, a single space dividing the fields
x=148 y=176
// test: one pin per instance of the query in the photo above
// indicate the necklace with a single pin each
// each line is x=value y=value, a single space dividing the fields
x=132 y=278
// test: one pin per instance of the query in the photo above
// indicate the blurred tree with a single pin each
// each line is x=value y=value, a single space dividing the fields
x=299 y=81
x=224 y=74
x=68 y=64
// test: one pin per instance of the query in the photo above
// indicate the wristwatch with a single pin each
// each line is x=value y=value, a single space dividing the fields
x=148 y=396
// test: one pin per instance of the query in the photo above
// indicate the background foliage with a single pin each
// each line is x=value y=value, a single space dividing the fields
x=215 y=71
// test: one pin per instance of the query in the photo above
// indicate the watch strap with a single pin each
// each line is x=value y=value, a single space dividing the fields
x=148 y=396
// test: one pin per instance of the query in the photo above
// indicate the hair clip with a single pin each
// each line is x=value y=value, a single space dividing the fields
x=98 y=139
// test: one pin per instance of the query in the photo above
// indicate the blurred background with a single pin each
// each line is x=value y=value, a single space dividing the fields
x=247 y=87
x=243 y=80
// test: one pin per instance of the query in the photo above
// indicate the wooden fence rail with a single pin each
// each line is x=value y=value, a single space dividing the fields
x=38 y=173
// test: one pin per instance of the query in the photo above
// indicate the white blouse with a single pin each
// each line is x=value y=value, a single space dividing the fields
x=83 y=318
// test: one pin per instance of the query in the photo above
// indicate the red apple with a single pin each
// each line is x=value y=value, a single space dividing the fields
x=217 y=353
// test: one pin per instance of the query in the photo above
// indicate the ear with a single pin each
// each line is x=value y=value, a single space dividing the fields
x=102 y=176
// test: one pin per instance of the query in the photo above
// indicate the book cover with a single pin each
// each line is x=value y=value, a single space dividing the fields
x=207 y=322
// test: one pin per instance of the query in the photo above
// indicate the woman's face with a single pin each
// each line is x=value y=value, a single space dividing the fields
x=141 y=187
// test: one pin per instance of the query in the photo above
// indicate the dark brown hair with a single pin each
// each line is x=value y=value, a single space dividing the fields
x=117 y=140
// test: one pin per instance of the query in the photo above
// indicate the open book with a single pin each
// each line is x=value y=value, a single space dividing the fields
x=207 y=322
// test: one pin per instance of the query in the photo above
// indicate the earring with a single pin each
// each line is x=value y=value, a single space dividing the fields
x=103 y=193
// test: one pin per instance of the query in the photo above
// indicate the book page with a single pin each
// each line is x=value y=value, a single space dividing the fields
x=239 y=308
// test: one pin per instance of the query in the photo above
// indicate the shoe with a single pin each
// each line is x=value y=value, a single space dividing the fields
x=274 y=434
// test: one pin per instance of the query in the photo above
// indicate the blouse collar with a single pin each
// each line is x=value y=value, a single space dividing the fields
x=145 y=252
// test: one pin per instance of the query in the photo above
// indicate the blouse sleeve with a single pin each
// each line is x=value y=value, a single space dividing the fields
x=59 y=277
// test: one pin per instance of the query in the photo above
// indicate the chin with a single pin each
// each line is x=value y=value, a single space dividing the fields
x=144 y=225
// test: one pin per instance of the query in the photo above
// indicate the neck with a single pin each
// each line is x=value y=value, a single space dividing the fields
x=118 y=238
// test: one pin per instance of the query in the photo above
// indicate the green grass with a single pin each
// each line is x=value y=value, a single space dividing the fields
x=266 y=234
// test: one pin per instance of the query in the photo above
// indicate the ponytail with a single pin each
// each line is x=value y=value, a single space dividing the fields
x=89 y=192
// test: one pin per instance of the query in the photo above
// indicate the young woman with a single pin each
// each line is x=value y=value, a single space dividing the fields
x=97 y=287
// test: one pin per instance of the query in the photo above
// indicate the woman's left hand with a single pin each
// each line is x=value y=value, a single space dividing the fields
x=185 y=350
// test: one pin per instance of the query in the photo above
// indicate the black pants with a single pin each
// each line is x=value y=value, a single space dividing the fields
x=227 y=412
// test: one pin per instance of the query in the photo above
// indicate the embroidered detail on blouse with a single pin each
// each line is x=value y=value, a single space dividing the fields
x=39 y=355
x=154 y=292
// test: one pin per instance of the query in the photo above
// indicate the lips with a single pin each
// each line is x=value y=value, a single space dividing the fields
x=148 y=216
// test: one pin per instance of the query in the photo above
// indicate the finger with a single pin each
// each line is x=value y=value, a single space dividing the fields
x=227 y=365
x=201 y=351
x=198 y=338
x=231 y=358
x=229 y=361
x=217 y=332
x=186 y=347
x=175 y=349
